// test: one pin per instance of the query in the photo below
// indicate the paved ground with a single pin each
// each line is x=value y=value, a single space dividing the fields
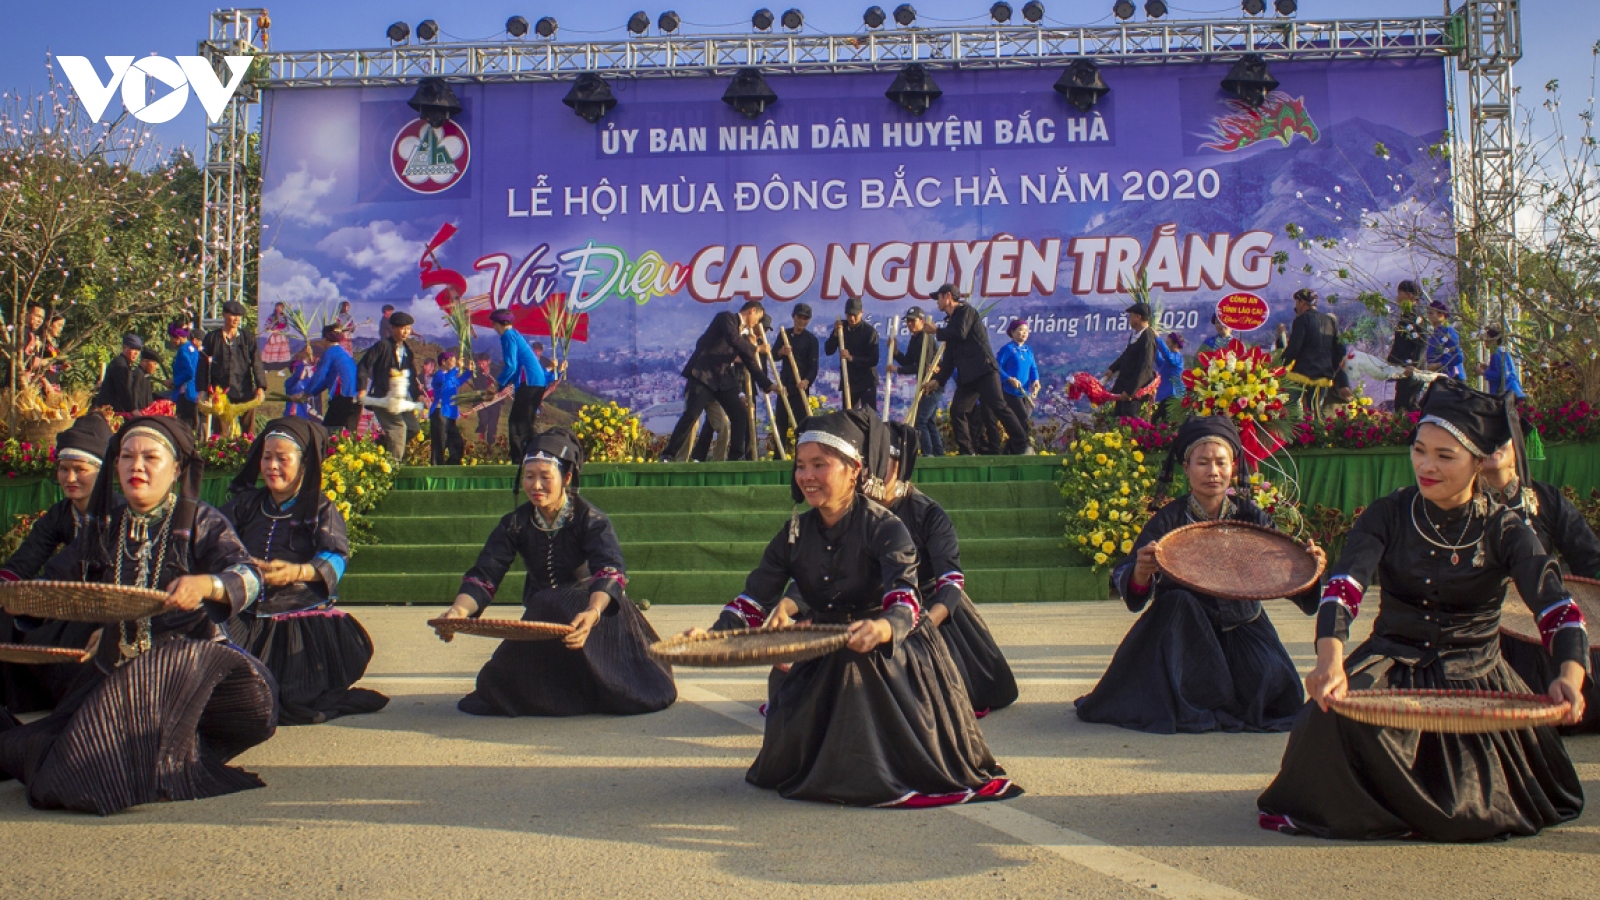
x=421 y=801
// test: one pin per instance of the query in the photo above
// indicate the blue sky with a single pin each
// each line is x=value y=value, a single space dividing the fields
x=1557 y=44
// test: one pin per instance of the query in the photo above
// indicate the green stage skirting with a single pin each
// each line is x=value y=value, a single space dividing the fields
x=25 y=496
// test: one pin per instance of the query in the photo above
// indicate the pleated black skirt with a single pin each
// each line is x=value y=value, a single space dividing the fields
x=612 y=674
x=315 y=657
x=161 y=727
x=1535 y=667
x=877 y=729
x=983 y=668
x=1341 y=779
x=1177 y=672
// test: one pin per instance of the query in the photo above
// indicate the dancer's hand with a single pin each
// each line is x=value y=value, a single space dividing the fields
x=462 y=608
x=187 y=593
x=582 y=624
x=783 y=615
x=1144 y=565
x=938 y=613
x=1568 y=686
x=1327 y=681
x=927 y=386
x=1317 y=554
x=278 y=573
x=867 y=634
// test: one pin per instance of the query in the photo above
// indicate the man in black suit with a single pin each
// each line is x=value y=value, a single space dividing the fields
x=375 y=374
x=1315 y=350
x=969 y=358
x=797 y=366
x=861 y=354
x=231 y=362
x=1131 y=372
x=120 y=389
x=712 y=378
x=1410 y=347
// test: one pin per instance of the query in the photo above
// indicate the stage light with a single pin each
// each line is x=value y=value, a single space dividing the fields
x=546 y=27
x=427 y=30
x=1000 y=12
x=1033 y=11
x=517 y=26
x=638 y=23
x=434 y=102
x=1250 y=81
x=590 y=97
x=1081 y=84
x=1286 y=7
x=793 y=19
x=873 y=17
x=913 y=89
x=398 y=32
x=1253 y=7
x=749 y=94
x=904 y=15
x=762 y=20
x=1123 y=9
x=1154 y=9
x=668 y=22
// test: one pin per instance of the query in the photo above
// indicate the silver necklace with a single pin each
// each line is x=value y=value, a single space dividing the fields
x=1443 y=543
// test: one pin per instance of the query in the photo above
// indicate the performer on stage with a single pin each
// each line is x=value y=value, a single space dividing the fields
x=1315 y=352
x=1135 y=367
x=1561 y=530
x=861 y=354
x=886 y=721
x=713 y=378
x=166 y=701
x=124 y=384
x=447 y=443
x=917 y=362
x=1410 y=345
x=1442 y=553
x=576 y=575
x=277 y=352
x=1169 y=367
x=1501 y=370
x=296 y=537
x=337 y=374
x=185 y=366
x=941 y=583
x=519 y=367
x=230 y=362
x=488 y=427
x=797 y=367
x=1019 y=373
x=383 y=361
x=80 y=451
x=301 y=373
x=1223 y=334
x=1195 y=663
x=1444 y=345
x=968 y=357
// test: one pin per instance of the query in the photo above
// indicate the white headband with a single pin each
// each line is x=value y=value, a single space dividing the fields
x=1456 y=433
x=283 y=436
x=831 y=440
x=541 y=457
x=146 y=431
x=81 y=455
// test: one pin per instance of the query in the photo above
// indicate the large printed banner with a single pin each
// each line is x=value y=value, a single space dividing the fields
x=675 y=206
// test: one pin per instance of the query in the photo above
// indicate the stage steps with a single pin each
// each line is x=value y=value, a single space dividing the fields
x=691 y=533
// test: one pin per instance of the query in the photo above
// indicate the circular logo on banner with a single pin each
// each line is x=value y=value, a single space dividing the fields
x=1242 y=311
x=427 y=159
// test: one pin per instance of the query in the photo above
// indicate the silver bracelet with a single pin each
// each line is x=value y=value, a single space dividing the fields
x=218 y=589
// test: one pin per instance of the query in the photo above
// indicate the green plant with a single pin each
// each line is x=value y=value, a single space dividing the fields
x=1106 y=482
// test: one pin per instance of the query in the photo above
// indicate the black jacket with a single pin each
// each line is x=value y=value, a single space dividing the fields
x=1136 y=367
x=53 y=530
x=911 y=360
x=120 y=388
x=805 y=356
x=967 y=354
x=1314 y=345
x=717 y=352
x=1410 y=341
x=584 y=551
x=861 y=340
x=379 y=361
x=1562 y=530
x=235 y=367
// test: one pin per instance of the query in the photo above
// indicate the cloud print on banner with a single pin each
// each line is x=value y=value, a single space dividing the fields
x=294 y=281
x=298 y=197
x=377 y=248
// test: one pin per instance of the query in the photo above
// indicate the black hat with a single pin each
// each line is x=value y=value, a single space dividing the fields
x=151 y=355
x=86 y=439
x=560 y=445
x=1306 y=296
x=915 y=312
x=1483 y=423
x=1140 y=309
x=398 y=319
x=842 y=432
x=312 y=439
x=332 y=331
x=177 y=435
x=802 y=310
x=1192 y=433
x=233 y=308
x=852 y=305
x=947 y=288
x=131 y=341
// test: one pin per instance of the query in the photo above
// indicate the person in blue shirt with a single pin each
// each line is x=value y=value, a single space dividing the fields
x=1501 y=371
x=1019 y=374
x=1216 y=341
x=1444 y=345
x=521 y=370
x=185 y=366
x=1170 y=365
x=301 y=371
x=447 y=443
x=336 y=374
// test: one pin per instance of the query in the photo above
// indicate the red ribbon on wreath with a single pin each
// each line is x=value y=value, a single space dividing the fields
x=1086 y=386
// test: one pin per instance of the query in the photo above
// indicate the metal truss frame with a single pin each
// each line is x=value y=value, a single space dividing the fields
x=228 y=221
x=1488 y=182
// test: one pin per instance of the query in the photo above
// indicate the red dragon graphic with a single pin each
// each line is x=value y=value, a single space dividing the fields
x=1281 y=117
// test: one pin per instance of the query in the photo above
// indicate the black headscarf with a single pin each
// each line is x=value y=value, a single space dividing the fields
x=313 y=441
x=1190 y=433
x=559 y=443
x=1482 y=422
x=190 y=470
x=855 y=433
x=88 y=435
x=906 y=446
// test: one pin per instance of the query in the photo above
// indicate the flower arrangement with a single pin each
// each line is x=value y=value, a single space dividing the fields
x=1275 y=502
x=1106 y=482
x=12 y=540
x=610 y=433
x=224 y=454
x=1241 y=382
x=1150 y=435
x=356 y=475
x=24 y=459
x=1356 y=428
x=1573 y=421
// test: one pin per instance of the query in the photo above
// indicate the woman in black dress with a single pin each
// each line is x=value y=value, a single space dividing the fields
x=1195 y=663
x=886 y=722
x=940 y=581
x=1561 y=530
x=79 y=452
x=296 y=536
x=167 y=701
x=576 y=575
x=1442 y=553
